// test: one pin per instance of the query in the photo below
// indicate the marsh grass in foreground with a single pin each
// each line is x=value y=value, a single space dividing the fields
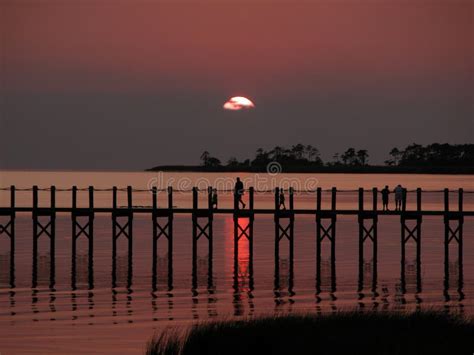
x=339 y=333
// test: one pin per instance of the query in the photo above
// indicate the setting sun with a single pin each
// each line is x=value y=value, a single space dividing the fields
x=238 y=103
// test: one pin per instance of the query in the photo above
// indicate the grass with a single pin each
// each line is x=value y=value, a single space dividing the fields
x=339 y=333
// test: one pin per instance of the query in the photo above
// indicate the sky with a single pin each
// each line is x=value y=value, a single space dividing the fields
x=126 y=85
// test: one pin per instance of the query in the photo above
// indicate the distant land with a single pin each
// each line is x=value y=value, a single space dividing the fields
x=414 y=159
x=370 y=169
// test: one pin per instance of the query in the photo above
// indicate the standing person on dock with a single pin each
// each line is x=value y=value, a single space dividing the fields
x=282 y=199
x=385 y=192
x=239 y=192
x=398 y=197
x=214 y=199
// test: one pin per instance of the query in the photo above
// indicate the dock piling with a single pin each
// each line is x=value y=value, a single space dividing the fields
x=323 y=232
x=8 y=228
x=368 y=233
x=162 y=229
x=454 y=235
x=282 y=230
x=40 y=228
x=240 y=232
x=122 y=228
x=411 y=232
x=200 y=230
x=86 y=229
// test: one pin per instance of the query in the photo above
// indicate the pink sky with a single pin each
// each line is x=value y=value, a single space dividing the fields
x=222 y=46
x=368 y=74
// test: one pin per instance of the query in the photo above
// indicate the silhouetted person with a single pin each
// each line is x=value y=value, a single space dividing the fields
x=282 y=199
x=385 y=193
x=239 y=192
x=214 y=198
x=398 y=197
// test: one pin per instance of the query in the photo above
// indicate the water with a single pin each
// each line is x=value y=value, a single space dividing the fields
x=104 y=315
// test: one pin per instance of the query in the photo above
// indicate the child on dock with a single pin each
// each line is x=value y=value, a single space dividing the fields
x=214 y=199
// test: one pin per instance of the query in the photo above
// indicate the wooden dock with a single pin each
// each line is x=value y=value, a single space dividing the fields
x=44 y=223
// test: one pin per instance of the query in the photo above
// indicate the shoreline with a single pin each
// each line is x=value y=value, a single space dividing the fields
x=319 y=170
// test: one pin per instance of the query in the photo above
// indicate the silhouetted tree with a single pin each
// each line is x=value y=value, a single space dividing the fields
x=299 y=155
x=277 y=152
x=298 y=151
x=362 y=157
x=336 y=160
x=312 y=154
x=438 y=155
x=349 y=157
x=209 y=161
x=205 y=157
x=414 y=154
x=213 y=162
x=395 y=157
x=232 y=162
x=261 y=158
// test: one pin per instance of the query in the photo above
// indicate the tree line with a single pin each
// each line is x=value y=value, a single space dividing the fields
x=300 y=155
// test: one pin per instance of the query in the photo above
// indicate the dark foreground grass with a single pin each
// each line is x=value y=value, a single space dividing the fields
x=340 y=333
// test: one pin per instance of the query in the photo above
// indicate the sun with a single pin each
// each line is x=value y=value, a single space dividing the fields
x=238 y=103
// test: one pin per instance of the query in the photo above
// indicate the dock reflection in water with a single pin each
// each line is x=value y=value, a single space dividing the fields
x=43 y=279
x=128 y=292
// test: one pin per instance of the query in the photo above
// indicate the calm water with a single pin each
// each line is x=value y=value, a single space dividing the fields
x=61 y=318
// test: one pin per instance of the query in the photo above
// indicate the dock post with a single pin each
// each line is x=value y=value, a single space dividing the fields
x=9 y=229
x=52 y=236
x=374 y=238
x=403 y=240
x=250 y=234
x=154 y=237
x=292 y=239
x=455 y=235
x=277 y=238
x=11 y=233
x=418 y=239
x=361 y=238
x=125 y=229
x=368 y=233
x=91 y=237
x=195 y=238
x=328 y=232
x=460 y=239
x=130 y=227
x=162 y=229
x=318 y=240
x=446 y=238
x=411 y=232
x=170 y=238
x=35 y=236
x=282 y=231
x=79 y=229
x=240 y=232
x=333 y=239
x=201 y=230
x=114 y=235
x=74 y=237
x=210 y=238
x=236 y=239
x=39 y=229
